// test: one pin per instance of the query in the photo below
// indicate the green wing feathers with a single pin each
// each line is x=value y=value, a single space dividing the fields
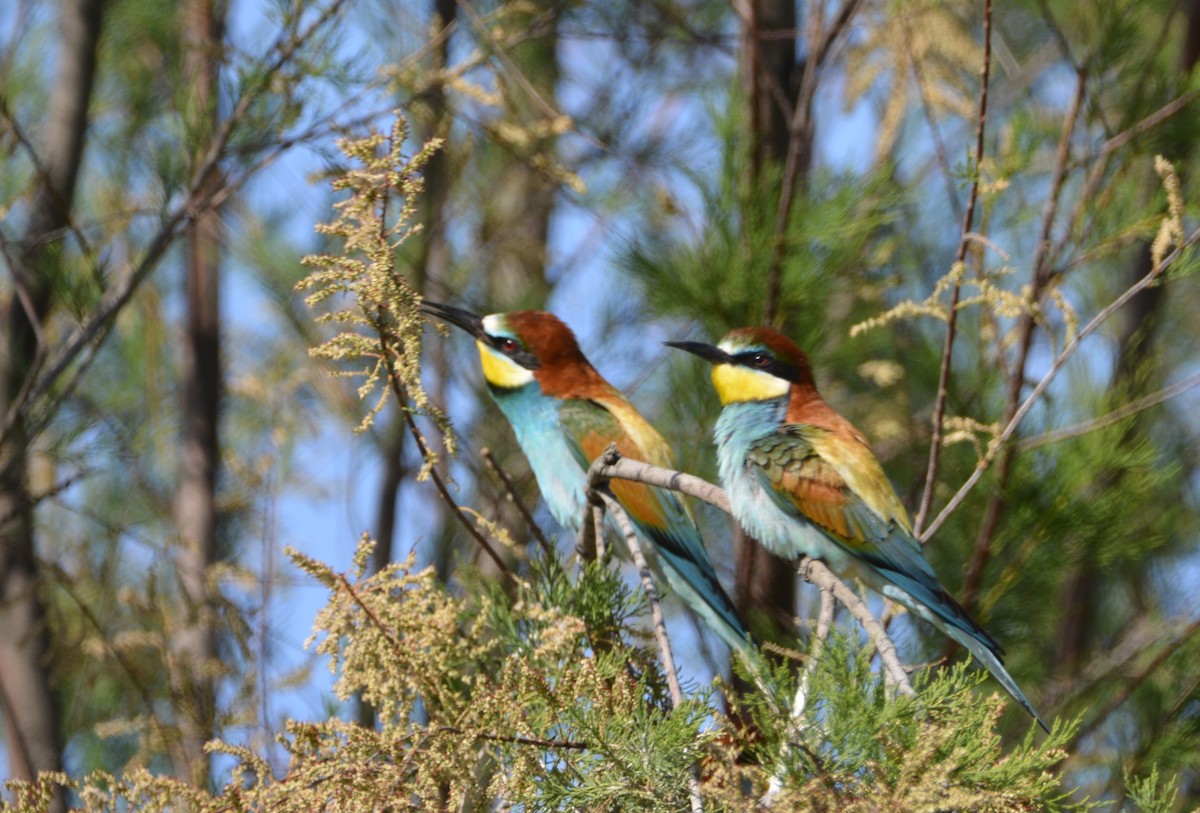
x=833 y=481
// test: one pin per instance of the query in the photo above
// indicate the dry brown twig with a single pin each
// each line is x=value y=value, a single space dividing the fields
x=534 y=528
x=1040 y=278
x=939 y=408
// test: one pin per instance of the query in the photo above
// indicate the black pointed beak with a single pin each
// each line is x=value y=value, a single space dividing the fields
x=465 y=319
x=713 y=355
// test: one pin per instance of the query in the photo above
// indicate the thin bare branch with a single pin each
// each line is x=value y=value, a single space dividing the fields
x=426 y=455
x=570 y=745
x=496 y=468
x=799 y=145
x=1006 y=434
x=444 y=492
x=939 y=146
x=943 y=390
x=656 y=613
x=608 y=467
x=1109 y=418
x=1041 y=275
x=589 y=541
x=816 y=572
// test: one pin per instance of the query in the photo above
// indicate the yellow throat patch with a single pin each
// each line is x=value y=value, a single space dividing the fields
x=735 y=384
x=501 y=371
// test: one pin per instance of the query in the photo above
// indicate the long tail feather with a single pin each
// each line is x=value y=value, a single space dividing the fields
x=952 y=620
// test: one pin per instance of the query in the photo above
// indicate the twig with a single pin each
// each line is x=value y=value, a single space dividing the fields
x=939 y=146
x=800 y=703
x=1109 y=418
x=444 y=492
x=939 y=408
x=1123 y=694
x=388 y=633
x=656 y=615
x=816 y=572
x=67 y=584
x=1096 y=174
x=570 y=745
x=490 y=459
x=614 y=467
x=1002 y=439
x=427 y=456
x=799 y=141
x=1043 y=258
x=824 y=625
x=589 y=542
x=598 y=530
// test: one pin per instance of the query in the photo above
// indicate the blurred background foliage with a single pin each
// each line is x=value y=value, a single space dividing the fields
x=646 y=169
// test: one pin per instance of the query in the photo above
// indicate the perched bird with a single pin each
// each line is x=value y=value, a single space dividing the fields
x=565 y=415
x=803 y=481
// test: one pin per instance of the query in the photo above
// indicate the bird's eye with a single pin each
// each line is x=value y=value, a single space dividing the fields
x=760 y=360
x=508 y=346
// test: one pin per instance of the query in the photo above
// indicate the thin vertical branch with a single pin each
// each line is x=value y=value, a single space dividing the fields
x=799 y=152
x=494 y=465
x=442 y=491
x=939 y=407
x=660 y=624
x=1041 y=276
x=800 y=703
x=656 y=613
x=589 y=542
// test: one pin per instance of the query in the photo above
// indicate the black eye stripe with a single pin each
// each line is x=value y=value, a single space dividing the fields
x=505 y=344
x=759 y=360
x=753 y=358
x=514 y=350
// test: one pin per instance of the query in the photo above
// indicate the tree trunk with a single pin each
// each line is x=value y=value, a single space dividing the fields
x=516 y=225
x=766 y=584
x=26 y=693
x=196 y=502
x=516 y=214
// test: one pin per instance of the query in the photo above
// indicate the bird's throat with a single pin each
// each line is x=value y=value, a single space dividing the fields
x=736 y=384
x=500 y=371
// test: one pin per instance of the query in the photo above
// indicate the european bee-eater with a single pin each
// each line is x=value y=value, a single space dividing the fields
x=565 y=415
x=803 y=481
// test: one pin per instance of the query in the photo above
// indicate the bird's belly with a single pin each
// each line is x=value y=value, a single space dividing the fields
x=785 y=535
x=561 y=479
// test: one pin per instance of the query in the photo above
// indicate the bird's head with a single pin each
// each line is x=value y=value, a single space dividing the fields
x=753 y=364
x=519 y=347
